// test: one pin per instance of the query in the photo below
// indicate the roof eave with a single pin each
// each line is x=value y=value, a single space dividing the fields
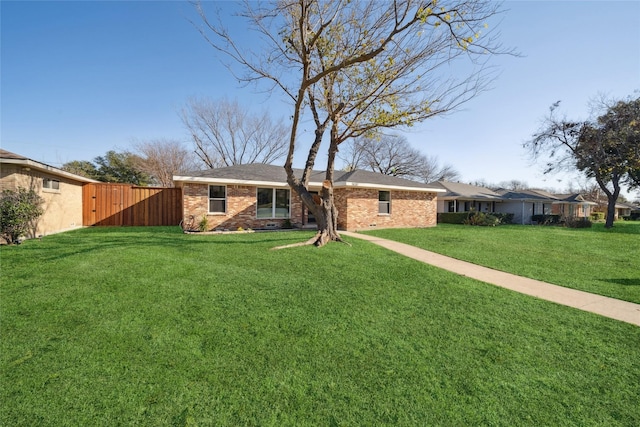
x=28 y=163
x=347 y=184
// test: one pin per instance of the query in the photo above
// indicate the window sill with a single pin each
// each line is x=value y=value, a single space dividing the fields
x=49 y=190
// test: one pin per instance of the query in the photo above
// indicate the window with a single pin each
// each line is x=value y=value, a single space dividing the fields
x=452 y=206
x=51 y=184
x=273 y=203
x=217 y=199
x=384 y=202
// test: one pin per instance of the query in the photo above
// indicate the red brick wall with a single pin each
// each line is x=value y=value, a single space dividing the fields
x=241 y=208
x=357 y=208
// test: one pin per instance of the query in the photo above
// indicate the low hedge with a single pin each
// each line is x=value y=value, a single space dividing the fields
x=541 y=219
x=469 y=218
x=577 y=223
x=452 y=217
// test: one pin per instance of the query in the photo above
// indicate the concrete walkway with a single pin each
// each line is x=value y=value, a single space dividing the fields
x=605 y=306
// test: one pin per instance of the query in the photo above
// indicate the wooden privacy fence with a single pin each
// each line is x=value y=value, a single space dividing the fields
x=125 y=204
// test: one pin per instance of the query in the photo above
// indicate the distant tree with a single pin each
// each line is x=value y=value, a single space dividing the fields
x=433 y=171
x=82 y=168
x=19 y=211
x=484 y=183
x=161 y=159
x=121 y=167
x=225 y=133
x=513 y=185
x=393 y=155
x=606 y=149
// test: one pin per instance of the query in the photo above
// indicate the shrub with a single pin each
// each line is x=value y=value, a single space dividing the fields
x=577 y=223
x=203 y=225
x=505 y=218
x=19 y=211
x=481 y=218
x=546 y=219
x=597 y=216
x=466 y=218
x=452 y=217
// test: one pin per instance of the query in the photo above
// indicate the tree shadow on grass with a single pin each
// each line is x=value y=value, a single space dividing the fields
x=88 y=240
x=624 y=282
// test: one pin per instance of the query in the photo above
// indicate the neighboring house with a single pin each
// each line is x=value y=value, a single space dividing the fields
x=523 y=204
x=572 y=205
x=61 y=191
x=460 y=197
x=257 y=196
x=625 y=209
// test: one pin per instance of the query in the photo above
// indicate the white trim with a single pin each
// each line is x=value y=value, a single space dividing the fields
x=230 y=181
x=276 y=184
x=209 y=199
x=28 y=163
x=343 y=184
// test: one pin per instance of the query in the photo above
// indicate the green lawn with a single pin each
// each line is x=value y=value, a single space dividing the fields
x=147 y=326
x=597 y=260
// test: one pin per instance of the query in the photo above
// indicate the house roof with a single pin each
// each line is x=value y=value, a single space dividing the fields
x=8 y=157
x=537 y=195
x=275 y=176
x=623 y=205
x=457 y=190
x=530 y=195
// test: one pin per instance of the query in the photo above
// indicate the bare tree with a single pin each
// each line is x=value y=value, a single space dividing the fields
x=225 y=134
x=393 y=155
x=358 y=67
x=161 y=159
x=513 y=184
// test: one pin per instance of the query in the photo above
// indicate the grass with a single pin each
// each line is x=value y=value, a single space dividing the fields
x=146 y=326
x=596 y=260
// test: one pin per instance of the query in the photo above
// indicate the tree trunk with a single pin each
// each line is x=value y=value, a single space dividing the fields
x=326 y=218
x=612 y=197
x=611 y=209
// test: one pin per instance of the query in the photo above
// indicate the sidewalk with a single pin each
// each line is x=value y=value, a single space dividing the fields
x=609 y=307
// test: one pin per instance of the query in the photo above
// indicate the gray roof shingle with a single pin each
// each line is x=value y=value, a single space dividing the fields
x=276 y=174
x=457 y=190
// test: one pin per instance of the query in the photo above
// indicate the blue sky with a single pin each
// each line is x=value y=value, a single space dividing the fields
x=81 y=78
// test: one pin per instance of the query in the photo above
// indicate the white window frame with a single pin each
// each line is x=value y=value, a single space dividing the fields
x=51 y=184
x=224 y=199
x=384 y=202
x=273 y=203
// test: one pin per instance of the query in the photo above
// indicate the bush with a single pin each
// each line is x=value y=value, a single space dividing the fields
x=597 y=216
x=467 y=218
x=541 y=219
x=452 y=217
x=577 y=223
x=505 y=218
x=203 y=225
x=481 y=218
x=19 y=211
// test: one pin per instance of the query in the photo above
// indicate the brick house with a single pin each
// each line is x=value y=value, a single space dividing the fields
x=60 y=190
x=257 y=196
